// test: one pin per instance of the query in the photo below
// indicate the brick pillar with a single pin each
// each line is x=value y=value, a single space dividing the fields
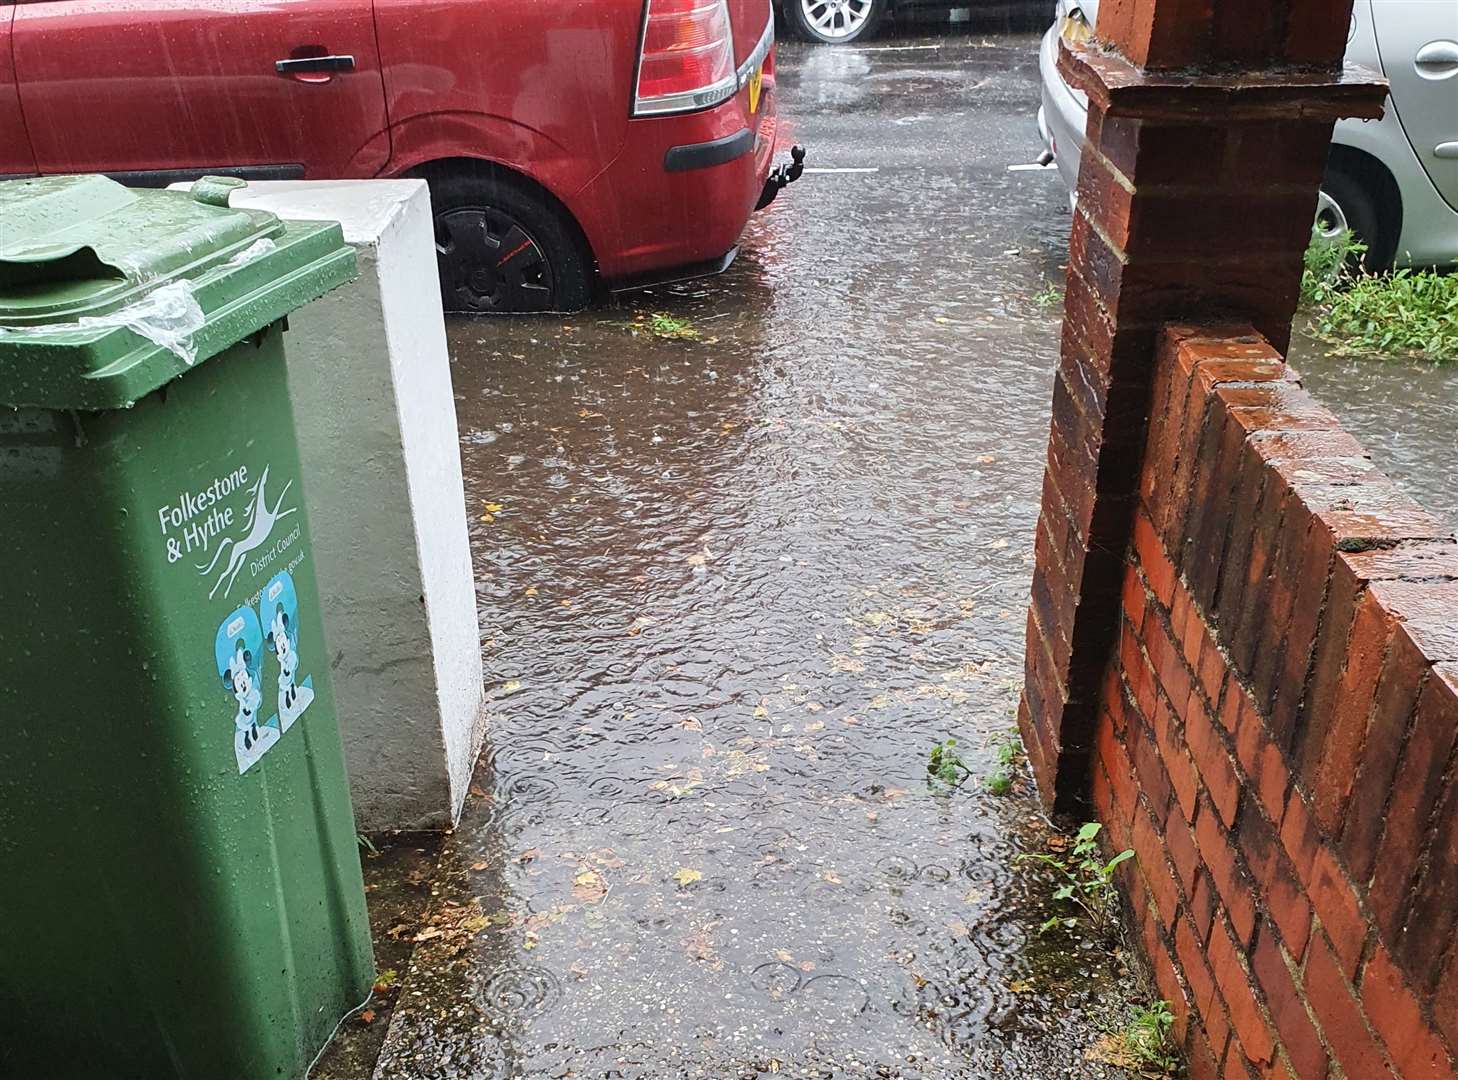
x=1208 y=128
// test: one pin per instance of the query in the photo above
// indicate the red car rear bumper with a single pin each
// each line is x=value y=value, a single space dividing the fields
x=681 y=191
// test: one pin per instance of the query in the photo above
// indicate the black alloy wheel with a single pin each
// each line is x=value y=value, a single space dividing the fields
x=503 y=245
x=489 y=262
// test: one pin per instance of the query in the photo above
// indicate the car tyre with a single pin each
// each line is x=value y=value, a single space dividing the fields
x=1346 y=203
x=834 y=22
x=503 y=247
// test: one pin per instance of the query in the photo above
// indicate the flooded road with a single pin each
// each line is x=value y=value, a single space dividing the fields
x=739 y=571
x=747 y=550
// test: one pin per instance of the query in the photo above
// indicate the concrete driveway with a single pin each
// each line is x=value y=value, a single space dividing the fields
x=747 y=550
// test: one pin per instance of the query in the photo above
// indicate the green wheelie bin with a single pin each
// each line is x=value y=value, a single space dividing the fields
x=180 y=890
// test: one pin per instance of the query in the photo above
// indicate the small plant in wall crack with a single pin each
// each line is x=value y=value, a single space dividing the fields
x=1146 y=1039
x=1085 y=882
x=1143 y=1045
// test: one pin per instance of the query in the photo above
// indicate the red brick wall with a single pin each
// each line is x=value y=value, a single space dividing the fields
x=1275 y=732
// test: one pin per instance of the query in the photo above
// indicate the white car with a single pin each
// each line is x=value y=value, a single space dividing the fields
x=1394 y=181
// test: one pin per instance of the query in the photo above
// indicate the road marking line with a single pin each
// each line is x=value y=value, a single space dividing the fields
x=1031 y=166
x=888 y=48
x=847 y=170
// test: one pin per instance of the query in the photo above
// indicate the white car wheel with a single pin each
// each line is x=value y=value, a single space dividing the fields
x=834 y=22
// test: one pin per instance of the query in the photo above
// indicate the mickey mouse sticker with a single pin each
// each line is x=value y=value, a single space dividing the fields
x=279 y=606
x=238 y=650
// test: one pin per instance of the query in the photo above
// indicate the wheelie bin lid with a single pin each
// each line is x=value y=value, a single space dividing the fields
x=109 y=292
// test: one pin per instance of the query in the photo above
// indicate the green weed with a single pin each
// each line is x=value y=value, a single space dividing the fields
x=1086 y=881
x=667 y=326
x=945 y=766
x=1146 y=1038
x=1402 y=313
x=366 y=843
x=1049 y=296
x=1005 y=751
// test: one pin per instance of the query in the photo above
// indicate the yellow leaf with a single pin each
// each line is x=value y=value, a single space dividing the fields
x=512 y=686
x=686 y=877
x=488 y=519
x=492 y=508
x=589 y=886
x=531 y=590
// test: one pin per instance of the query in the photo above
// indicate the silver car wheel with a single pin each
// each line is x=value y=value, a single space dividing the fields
x=836 y=18
x=1331 y=219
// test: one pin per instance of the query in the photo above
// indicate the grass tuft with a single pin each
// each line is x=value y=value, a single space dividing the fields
x=1410 y=313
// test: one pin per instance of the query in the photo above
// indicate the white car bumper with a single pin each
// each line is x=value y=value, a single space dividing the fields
x=1063 y=116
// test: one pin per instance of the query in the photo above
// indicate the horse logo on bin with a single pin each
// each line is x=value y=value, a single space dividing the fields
x=260 y=519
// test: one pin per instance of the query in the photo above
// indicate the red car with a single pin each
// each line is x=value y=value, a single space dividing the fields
x=569 y=144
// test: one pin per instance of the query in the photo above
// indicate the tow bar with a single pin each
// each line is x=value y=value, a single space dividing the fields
x=782 y=176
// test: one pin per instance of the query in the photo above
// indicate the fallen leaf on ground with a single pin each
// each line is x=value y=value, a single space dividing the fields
x=686 y=877
x=368 y=1016
x=589 y=886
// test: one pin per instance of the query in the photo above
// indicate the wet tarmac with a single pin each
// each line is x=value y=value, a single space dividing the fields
x=739 y=571
x=734 y=588
x=1405 y=412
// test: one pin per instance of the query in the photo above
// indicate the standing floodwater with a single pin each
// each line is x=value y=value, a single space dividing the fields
x=739 y=570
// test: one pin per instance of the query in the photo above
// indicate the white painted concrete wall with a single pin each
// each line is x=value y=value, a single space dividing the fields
x=370 y=378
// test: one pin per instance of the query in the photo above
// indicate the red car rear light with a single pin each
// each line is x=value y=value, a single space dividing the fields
x=686 y=61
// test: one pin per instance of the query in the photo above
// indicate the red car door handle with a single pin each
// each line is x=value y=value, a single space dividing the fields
x=313 y=65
